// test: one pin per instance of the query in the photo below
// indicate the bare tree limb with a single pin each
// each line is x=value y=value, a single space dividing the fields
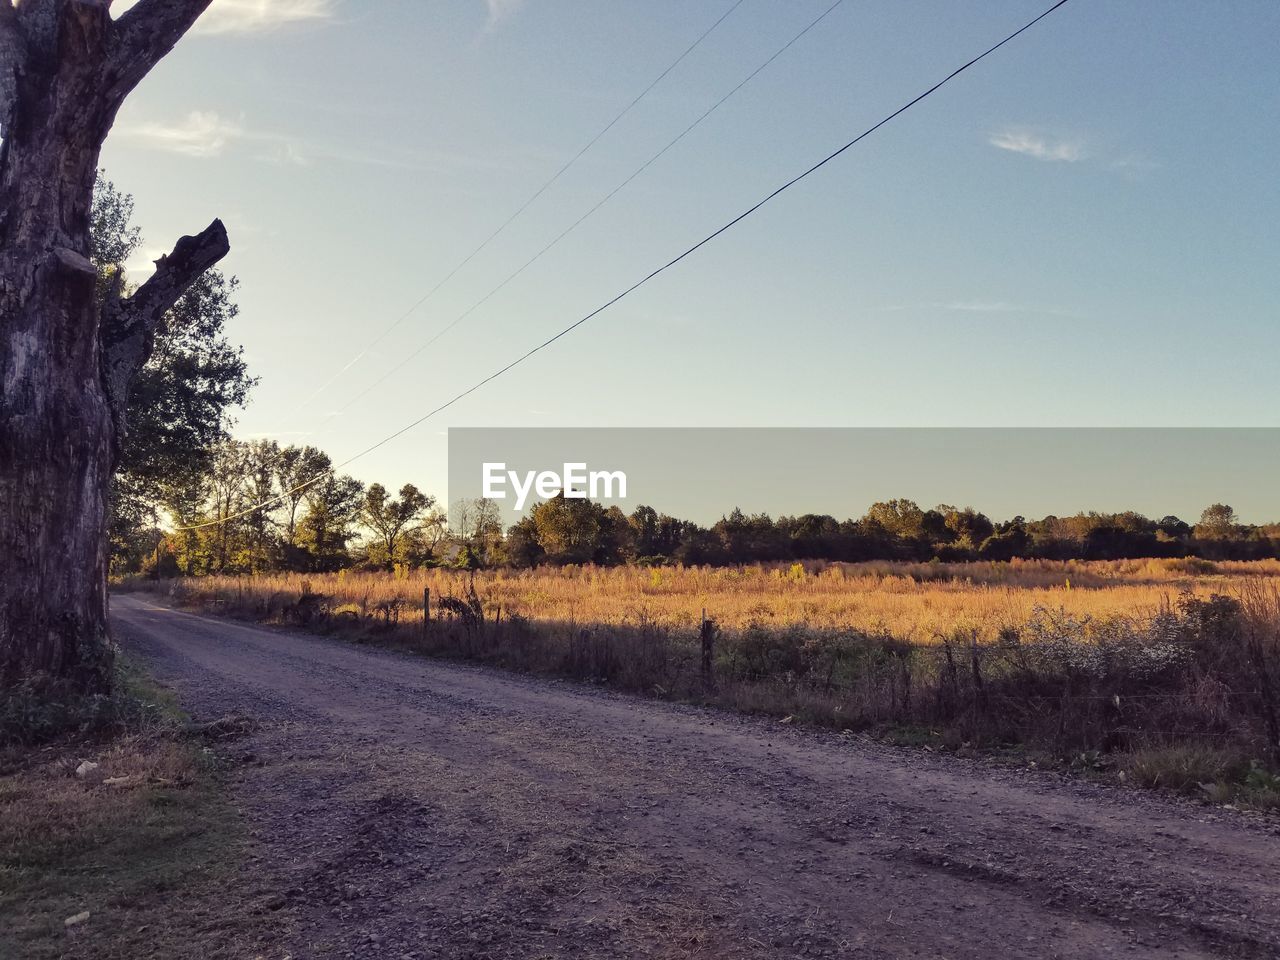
x=176 y=271
x=144 y=34
x=129 y=326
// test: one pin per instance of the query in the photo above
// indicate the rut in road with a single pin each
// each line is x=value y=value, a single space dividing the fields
x=403 y=807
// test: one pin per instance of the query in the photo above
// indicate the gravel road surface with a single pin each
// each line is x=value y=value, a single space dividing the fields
x=406 y=808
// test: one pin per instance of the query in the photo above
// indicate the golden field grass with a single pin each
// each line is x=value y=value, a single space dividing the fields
x=1088 y=677
x=915 y=602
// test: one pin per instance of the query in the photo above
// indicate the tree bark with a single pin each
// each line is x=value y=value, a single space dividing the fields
x=66 y=360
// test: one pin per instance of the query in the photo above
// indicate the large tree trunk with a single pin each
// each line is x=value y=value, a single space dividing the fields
x=66 y=358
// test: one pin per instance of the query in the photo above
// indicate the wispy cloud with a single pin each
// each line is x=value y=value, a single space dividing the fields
x=253 y=16
x=1058 y=149
x=205 y=133
x=500 y=10
x=200 y=134
x=1134 y=164
x=284 y=153
x=1038 y=146
x=991 y=306
x=982 y=306
x=292 y=153
x=1005 y=306
x=256 y=16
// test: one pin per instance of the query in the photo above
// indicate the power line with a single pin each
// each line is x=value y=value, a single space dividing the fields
x=405 y=361
x=644 y=280
x=519 y=210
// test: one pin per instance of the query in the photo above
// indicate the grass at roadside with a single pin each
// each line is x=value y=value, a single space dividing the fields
x=1184 y=697
x=132 y=859
x=915 y=602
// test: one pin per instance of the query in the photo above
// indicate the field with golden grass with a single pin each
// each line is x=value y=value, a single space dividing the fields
x=1099 y=665
x=918 y=603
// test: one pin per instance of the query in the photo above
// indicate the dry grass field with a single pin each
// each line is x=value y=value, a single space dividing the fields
x=1172 y=665
x=917 y=603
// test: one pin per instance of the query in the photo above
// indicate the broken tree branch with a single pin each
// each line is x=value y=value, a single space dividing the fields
x=129 y=325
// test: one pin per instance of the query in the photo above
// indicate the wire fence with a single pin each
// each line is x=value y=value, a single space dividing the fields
x=1210 y=681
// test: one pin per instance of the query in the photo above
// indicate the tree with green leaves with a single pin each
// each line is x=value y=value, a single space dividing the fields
x=180 y=401
x=1218 y=522
x=522 y=547
x=390 y=519
x=296 y=470
x=477 y=529
x=325 y=531
x=899 y=518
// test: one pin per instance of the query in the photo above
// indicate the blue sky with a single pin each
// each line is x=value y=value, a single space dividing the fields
x=1079 y=231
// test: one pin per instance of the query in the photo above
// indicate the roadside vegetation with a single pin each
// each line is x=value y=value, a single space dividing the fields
x=1111 y=642
x=208 y=521
x=116 y=836
x=915 y=603
x=1159 y=673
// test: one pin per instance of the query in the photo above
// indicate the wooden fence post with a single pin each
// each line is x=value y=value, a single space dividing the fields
x=426 y=610
x=707 y=633
x=979 y=690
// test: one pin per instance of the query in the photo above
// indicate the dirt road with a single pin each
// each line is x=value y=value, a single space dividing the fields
x=406 y=808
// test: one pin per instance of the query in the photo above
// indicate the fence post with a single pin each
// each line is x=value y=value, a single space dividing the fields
x=426 y=610
x=707 y=633
x=979 y=690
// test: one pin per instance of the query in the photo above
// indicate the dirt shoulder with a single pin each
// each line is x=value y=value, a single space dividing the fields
x=124 y=843
x=411 y=808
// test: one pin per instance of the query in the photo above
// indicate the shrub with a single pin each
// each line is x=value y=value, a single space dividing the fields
x=1192 y=769
x=35 y=713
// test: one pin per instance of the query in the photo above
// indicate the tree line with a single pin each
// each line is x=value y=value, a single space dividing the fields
x=336 y=522
x=563 y=531
x=209 y=521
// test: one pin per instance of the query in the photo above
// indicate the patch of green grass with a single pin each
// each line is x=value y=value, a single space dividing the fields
x=1182 y=768
x=1205 y=772
x=33 y=715
x=1261 y=788
x=134 y=682
x=149 y=847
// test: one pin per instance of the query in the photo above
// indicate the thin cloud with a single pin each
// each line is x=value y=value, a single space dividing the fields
x=983 y=306
x=1004 y=306
x=1134 y=164
x=258 y=16
x=285 y=154
x=1040 y=147
x=254 y=16
x=204 y=133
x=304 y=154
x=986 y=307
x=500 y=10
x=200 y=134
